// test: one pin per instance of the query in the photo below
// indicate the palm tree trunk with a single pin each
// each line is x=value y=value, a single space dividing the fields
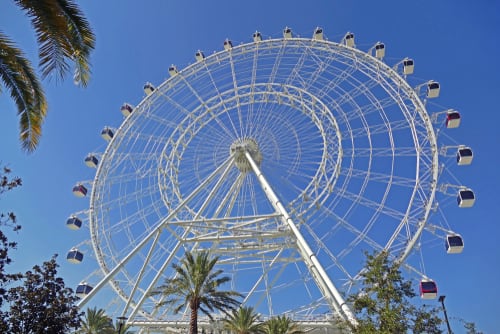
x=193 y=322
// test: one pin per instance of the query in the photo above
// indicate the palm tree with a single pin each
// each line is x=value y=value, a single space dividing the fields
x=96 y=322
x=63 y=35
x=281 y=325
x=196 y=285
x=244 y=320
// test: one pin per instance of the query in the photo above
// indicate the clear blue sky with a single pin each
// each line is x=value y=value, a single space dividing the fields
x=453 y=42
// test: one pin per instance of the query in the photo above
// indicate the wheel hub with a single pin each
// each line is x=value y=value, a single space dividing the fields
x=238 y=149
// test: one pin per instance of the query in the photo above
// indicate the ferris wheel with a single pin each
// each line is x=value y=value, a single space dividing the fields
x=288 y=158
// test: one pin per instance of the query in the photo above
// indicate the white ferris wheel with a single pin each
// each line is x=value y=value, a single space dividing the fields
x=287 y=157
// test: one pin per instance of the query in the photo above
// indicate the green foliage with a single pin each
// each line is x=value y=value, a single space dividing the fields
x=383 y=304
x=63 y=34
x=243 y=320
x=19 y=77
x=281 y=325
x=96 y=322
x=196 y=285
x=39 y=301
x=471 y=328
x=42 y=304
x=8 y=220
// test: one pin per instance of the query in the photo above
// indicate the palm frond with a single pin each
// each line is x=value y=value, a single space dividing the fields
x=196 y=285
x=63 y=34
x=19 y=78
x=82 y=39
x=243 y=320
x=281 y=325
x=96 y=321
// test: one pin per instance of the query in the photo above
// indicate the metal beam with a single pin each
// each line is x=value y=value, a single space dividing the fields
x=317 y=271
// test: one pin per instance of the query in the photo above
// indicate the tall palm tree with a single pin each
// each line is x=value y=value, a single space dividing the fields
x=196 y=285
x=281 y=325
x=63 y=34
x=244 y=320
x=96 y=322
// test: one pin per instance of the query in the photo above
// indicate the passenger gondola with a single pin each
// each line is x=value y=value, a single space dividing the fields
x=465 y=198
x=428 y=289
x=432 y=89
x=107 y=133
x=257 y=36
x=91 y=161
x=74 y=256
x=408 y=66
x=83 y=289
x=79 y=190
x=452 y=119
x=172 y=70
x=464 y=156
x=379 y=50
x=148 y=88
x=74 y=223
x=228 y=45
x=349 y=39
x=318 y=34
x=287 y=33
x=199 y=55
x=454 y=244
x=126 y=109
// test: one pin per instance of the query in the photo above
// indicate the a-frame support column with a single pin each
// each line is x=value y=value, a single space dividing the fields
x=317 y=271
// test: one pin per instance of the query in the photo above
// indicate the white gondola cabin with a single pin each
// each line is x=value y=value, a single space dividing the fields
x=199 y=55
x=408 y=66
x=126 y=109
x=349 y=39
x=428 y=289
x=74 y=256
x=318 y=34
x=465 y=198
x=83 y=289
x=452 y=119
x=172 y=70
x=74 y=223
x=107 y=134
x=432 y=89
x=257 y=36
x=454 y=244
x=91 y=161
x=464 y=156
x=379 y=50
x=79 y=190
x=287 y=33
x=148 y=88
x=228 y=45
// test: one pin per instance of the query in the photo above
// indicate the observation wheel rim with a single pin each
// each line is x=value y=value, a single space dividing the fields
x=101 y=173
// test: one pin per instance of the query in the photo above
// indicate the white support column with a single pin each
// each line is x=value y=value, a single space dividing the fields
x=316 y=269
